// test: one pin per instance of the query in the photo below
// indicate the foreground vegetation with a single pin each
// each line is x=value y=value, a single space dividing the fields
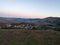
x=29 y=37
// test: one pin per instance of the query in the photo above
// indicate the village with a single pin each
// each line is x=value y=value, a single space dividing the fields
x=16 y=26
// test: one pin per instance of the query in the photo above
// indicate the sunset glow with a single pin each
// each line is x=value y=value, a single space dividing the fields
x=29 y=8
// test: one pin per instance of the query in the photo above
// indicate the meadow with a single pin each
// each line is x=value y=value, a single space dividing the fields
x=29 y=37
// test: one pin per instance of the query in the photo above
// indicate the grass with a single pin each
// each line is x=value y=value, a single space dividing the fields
x=29 y=37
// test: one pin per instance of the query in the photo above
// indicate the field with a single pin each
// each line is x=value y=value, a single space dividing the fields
x=29 y=37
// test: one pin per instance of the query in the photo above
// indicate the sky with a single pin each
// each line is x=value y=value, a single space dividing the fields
x=30 y=8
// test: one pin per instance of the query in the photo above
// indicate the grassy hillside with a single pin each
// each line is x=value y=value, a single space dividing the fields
x=29 y=37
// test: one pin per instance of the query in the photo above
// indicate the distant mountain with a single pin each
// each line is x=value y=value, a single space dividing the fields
x=17 y=20
x=48 y=20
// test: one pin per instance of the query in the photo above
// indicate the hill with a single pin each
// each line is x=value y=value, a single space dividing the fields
x=32 y=23
x=50 y=21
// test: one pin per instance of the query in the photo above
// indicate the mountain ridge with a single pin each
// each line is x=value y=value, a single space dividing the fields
x=13 y=20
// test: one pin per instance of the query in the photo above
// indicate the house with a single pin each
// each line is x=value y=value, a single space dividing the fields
x=8 y=25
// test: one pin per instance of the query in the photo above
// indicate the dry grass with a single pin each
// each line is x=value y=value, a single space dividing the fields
x=29 y=37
